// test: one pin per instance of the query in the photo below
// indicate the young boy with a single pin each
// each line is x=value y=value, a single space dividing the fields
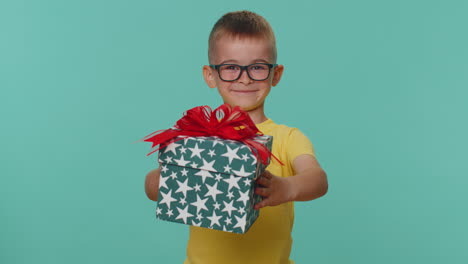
x=242 y=57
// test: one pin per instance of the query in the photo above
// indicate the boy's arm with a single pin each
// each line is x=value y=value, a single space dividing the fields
x=310 y=182
x=152 y=184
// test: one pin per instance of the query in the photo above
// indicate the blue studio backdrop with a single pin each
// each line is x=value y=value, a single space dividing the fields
x=379 y=87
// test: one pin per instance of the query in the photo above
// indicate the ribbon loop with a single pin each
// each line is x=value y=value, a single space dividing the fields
x=224 y=122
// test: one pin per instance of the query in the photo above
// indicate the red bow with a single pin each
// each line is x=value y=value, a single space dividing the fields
x=224 y=122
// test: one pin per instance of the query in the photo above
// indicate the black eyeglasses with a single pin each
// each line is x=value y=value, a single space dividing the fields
x=232 y=72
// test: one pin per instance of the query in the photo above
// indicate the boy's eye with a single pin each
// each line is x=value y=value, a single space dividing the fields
x=258 y=67
x=230 y=67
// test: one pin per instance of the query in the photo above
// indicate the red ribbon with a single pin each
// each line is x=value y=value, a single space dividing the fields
x=224 y=122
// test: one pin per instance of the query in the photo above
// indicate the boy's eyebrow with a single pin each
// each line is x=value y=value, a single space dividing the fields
x=228 y=61
x=236 y=62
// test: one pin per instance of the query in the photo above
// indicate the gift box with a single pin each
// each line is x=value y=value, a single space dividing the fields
x=209 y=182
x=210 y=160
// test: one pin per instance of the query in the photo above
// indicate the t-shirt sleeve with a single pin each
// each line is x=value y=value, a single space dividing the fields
x=298 y=144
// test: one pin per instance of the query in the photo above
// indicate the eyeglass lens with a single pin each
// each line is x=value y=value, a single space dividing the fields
x=232 y=72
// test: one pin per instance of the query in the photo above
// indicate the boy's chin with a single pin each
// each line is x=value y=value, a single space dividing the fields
x=246 y=108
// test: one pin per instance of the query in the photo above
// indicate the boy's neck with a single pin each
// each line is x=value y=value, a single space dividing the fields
x=257 y=115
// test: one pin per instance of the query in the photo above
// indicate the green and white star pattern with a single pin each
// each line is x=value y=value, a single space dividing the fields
x=209 y=182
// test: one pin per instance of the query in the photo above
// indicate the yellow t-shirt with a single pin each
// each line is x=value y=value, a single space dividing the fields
x=268 y=241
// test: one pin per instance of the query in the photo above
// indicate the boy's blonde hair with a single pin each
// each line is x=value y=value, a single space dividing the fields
x=241 y=24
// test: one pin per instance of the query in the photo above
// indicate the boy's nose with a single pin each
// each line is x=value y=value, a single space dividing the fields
x=244 y=77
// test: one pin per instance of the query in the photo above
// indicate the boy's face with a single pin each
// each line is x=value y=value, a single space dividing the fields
x=244 y=92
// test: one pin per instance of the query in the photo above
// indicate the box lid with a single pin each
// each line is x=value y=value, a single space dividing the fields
x=215 y=155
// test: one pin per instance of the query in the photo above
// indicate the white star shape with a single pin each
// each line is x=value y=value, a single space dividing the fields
x=163 y=168
x=181 y=162
x=254 y=159
x=244 y=197
x=168 y=159
x=218 y=176
x=200 y=204
x=241 y=211
x=162 y=182
x=173 y=175
x=228 y=221
x=197 y=187
x=230 y=195
x=213 y=191
x=183 y=150
x=211 y=152
x=194 y=165
x=186 y=140
x=183 y=187
x=184 y=172
x=184 y=214
x=241 y=222
x=169 y=213
x=232 y=181
x=182 y=201
x=216 y=205
x=196 y=224
x=201 y=139
x=242 y=172
x=227 y=168
x=207 y=165
x=216 y=141
x=199 y=217
x=231 y=154
x=245 y=157
x=158 y=211
x=214 y=219
x=228 y=207
x=247 y=182
x=196 y=151
x=204 y=174
x=167 y=198
x=172 y=147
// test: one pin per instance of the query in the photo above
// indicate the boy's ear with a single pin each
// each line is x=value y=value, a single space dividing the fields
x=278 y=72
x=209 y=77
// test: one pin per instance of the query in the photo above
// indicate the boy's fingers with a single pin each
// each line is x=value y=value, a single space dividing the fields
x=265 y=192
x=263 y=181
x=261 y=204
x=258 y=206
x=267 y=175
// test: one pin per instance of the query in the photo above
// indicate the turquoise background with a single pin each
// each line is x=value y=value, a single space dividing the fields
x=380 y=87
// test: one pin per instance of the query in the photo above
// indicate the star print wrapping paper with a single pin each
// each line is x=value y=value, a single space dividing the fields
x=209 y=182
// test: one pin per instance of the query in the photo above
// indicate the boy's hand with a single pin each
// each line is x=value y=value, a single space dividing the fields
x=152 y=184
x=274 y=190
x=309 y=182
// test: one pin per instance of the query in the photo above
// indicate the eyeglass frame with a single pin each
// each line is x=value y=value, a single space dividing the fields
x=242 y=69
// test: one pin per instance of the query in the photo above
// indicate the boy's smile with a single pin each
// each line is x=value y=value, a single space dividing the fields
x=244 y=92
